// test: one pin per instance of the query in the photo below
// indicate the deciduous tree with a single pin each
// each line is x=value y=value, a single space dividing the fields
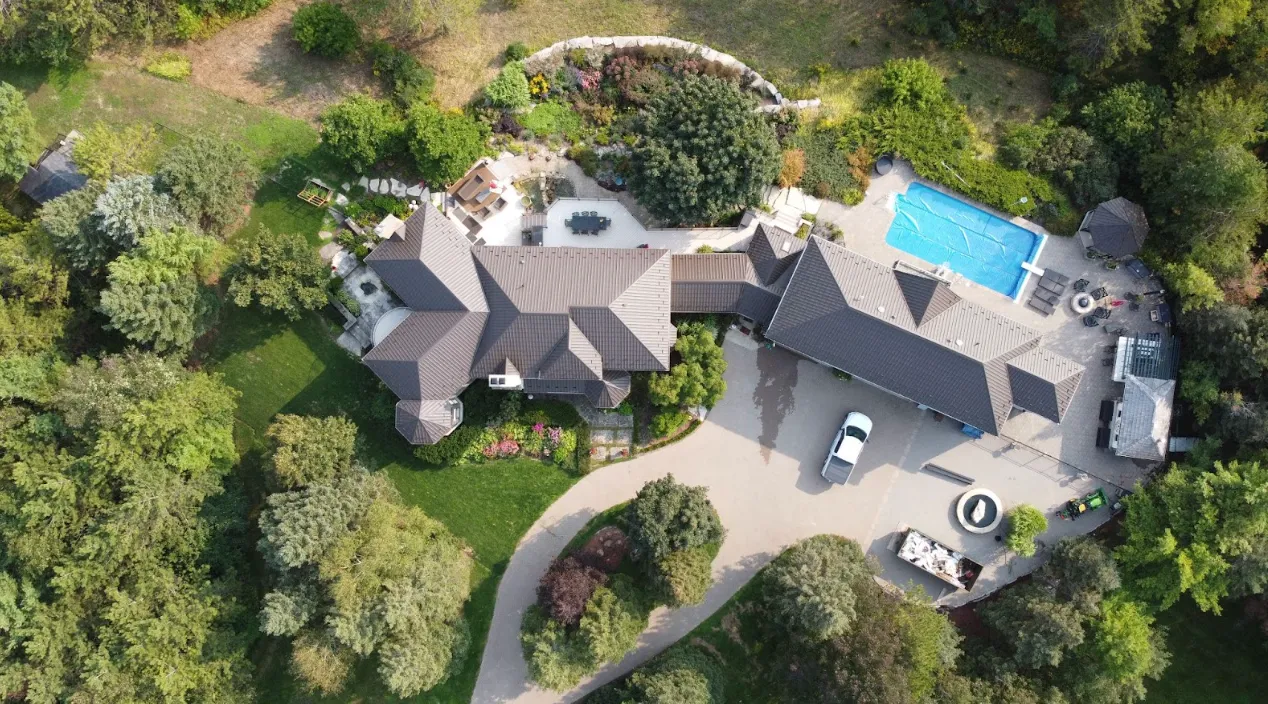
x=810 y=588
x=17 y=132
x=1025 y=523
x=210 y=180
x=702 y=153
x=566 y=588
x=104 y=152
x=696 y=380
x=361 y=130
x=445 y=143
x=278 y=272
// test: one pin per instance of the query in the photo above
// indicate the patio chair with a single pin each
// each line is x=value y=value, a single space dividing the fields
x=1090 y=321
x=1100 y=293
x=1041 y=306
x=1102 y=312
x=1081 y=285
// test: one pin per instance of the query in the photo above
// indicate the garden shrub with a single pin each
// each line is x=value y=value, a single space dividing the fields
x=408 y=80
x=105 y=151
x=453 y=447
x=684 y=576
x=684 y=674
x=323 y=28
x=912 y=83
x=613 y=620
x=667 y=421
x=566 y=588
x=824 y=165
x=585 y=158
x=794 y=167
x=516 y=51
x=667 y=516
x=172 y=65
x=696 y=380
x=556 y=660
x=1025 y=523
x=510 y=88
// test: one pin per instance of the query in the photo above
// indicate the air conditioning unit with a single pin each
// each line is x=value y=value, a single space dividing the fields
x=506 y=382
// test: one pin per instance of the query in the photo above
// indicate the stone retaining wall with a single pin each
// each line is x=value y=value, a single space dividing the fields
x=749 y=78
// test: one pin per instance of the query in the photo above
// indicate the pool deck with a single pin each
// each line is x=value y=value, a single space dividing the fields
x=1072 y=442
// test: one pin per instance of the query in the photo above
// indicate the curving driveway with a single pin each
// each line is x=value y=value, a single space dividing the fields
x=759 y=454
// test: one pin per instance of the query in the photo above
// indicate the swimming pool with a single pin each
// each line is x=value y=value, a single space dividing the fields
x=949 y=232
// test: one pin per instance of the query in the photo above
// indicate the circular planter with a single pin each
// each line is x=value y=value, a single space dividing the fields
x=990 y=514
x=884 y=165
x=1082 y=303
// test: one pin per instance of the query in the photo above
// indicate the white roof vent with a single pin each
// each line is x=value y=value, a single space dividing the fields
x=785 y=246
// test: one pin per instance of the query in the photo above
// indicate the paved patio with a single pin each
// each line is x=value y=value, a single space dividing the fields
x=1073 y=441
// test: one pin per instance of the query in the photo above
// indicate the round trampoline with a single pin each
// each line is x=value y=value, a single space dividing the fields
x=979 y=511
x=1082 y=303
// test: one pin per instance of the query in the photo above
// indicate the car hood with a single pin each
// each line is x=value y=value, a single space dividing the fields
x=849 y=450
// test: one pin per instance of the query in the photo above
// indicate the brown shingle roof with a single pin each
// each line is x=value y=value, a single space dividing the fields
x=430 y=266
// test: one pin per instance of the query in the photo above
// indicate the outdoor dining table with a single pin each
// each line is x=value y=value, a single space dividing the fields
x=585 y=222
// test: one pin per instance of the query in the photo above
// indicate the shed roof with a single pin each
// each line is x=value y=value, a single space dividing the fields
x=54 y=174
x=1145 y=422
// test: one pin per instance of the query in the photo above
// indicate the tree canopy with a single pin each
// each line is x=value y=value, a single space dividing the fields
x=444 y=142
x=110 y=591
x=17 y=132
x=666 y=516
x=361 y=130
x=103 y=152
x=696 y=380
x=154 y=295
x=279 y=272
x=209 y=179
x=810 y=588
x=702 y=153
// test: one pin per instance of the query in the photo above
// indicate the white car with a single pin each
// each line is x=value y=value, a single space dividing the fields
x=846 y=448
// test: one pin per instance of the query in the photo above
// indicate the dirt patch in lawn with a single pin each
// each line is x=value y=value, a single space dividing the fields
x=258 y=62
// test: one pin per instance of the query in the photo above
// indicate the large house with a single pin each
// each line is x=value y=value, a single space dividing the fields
x=567 y=320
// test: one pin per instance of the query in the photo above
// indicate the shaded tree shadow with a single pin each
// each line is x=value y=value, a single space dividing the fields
x=773 y=395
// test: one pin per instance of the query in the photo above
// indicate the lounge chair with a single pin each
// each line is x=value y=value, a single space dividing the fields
x=1046 y=296
x=1102 y=312
x=1100 y=293
x=1081 y=285
x=1090 y=321
x=1050 y=285
x=1041 y=306
x=1102 y=437
x=1107 y=410
x=1056 y=277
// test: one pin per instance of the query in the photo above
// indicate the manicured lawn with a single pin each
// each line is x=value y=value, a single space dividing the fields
x=1213 y=658
x=278 y=209
x=296 y=368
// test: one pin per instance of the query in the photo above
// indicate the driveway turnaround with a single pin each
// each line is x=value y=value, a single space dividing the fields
x=759 y=454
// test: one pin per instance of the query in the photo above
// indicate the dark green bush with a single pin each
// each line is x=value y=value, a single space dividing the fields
x=684 y=576
x=323 y=28
x=407 y=79
x=516 y=52
x=450 y=447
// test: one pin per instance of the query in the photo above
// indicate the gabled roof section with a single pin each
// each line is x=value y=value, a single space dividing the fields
x=1044 y=382
x=555 y=279
x=573 y=358
x=926 y=296
x=1118 y=227
x=1145 y=425
x=426 y=422
x=773 y=252
x=720 y=283
x=429 y=265
x=848 y=311
x=428 y=356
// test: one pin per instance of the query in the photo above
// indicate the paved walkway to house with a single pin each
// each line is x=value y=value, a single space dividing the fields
x=759 y=453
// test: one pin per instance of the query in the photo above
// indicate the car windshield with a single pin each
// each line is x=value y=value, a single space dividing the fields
x=856 y=433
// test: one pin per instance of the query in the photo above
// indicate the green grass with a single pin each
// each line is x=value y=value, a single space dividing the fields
x=296 y=368
x=1213 y=658
x=278 y=209
x=62 y=100
x=613 y=516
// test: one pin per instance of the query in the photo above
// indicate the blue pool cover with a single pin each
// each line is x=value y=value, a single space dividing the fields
x=947 y=231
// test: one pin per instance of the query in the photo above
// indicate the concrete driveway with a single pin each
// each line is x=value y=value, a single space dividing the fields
x=759 y=453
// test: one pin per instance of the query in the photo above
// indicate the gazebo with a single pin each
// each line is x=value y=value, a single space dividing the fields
x=1116 y=227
